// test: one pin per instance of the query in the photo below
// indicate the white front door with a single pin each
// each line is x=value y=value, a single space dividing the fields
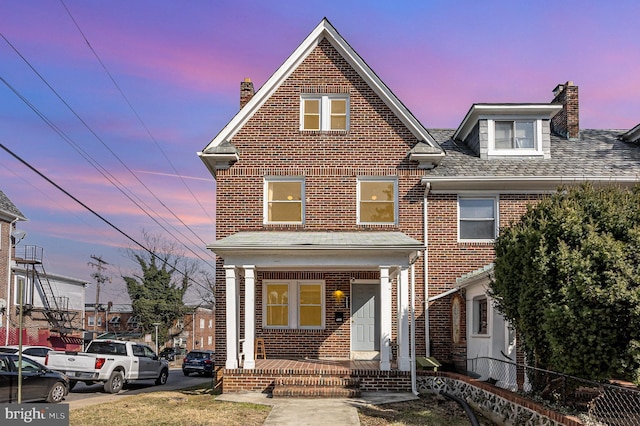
x=365 y=324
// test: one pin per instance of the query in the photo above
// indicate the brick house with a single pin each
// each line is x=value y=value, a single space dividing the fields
x=346 y=230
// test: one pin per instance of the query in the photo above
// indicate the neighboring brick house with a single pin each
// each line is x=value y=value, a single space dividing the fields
x=53 y=304
x=331 y=198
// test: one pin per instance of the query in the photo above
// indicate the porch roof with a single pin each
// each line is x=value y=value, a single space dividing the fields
x=308 y=248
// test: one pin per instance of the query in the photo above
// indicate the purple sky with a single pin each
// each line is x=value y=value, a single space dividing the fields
x=180 y=64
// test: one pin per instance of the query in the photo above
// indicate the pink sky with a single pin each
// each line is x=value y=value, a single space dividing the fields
x=180 y=64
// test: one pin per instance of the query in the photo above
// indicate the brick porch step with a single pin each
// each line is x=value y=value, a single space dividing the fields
x=316 y=387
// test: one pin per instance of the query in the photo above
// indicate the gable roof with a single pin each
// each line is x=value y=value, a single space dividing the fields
x=324 y=30
x=632 y=135
x=597 y=156
x=8 y=209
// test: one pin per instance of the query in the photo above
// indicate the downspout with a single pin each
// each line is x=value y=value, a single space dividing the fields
x=427 y=337
x=414 y=387
x=8 y=308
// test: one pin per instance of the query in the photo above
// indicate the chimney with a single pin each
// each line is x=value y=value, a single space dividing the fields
x=566 y=123
x=246 y=91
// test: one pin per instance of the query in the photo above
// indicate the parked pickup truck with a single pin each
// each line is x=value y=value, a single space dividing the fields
x=112 y=362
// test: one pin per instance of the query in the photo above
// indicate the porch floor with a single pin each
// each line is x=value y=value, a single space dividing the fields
x=318 y=366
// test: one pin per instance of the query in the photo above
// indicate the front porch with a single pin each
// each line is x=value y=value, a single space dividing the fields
x=314 y=378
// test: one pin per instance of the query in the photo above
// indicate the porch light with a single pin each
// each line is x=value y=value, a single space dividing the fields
x=374 y=197
x=289 y=197
x=338 y=295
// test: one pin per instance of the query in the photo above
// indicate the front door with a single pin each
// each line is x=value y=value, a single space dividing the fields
x=365 y=326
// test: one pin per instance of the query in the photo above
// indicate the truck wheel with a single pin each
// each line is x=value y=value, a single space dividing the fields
x=115 y=382
x=72 y=384
x=162 y=378
x=56 y=393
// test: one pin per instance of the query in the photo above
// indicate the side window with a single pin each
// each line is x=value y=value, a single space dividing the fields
x=477 y=218
x=480 y=315
x=377 y=201
x=138 y=351
x=148 y=352
x=284 y=200
x=277 y=305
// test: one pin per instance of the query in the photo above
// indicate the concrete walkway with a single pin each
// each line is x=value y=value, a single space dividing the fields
x=315 y=411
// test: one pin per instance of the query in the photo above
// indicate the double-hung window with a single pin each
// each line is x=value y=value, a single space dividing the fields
x=284 y=200
x=477 y=218
x=293 y=304
x=377 y=200
x=324 y=112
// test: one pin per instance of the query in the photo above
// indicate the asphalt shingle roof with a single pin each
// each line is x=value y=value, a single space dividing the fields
x=595 y=153
x=8 y=207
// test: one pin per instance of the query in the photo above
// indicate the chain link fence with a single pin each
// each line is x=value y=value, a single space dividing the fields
x=594 y=403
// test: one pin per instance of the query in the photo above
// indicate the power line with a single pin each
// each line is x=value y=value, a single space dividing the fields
x=98 y=215
x=98 y=167
x=93 y=161
x=135 y=112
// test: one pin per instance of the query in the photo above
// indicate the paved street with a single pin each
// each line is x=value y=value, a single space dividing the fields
x=83 y=395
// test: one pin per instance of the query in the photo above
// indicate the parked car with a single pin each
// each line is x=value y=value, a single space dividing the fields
x=38 y=382
x=36 y=353
x=198 y=361
x=168 y=353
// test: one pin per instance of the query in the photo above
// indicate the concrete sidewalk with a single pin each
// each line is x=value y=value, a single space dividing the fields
x=315 y=411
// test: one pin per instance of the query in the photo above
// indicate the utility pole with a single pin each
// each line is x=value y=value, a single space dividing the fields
x=100 y=279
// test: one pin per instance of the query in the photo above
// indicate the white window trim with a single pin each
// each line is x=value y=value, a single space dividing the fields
x=394 y=180
x=265 y=199
x=496 y=204
x=294 y=304
x=325 y=111
x=537 y=138
x=26 y=294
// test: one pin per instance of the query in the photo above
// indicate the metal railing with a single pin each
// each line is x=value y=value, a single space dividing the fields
x=594 y=403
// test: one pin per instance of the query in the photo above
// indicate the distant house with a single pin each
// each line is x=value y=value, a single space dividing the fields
x=195 y=330
x=347 y=230
x=52 y=304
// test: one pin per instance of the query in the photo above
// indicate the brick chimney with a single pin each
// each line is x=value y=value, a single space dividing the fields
x=246 y=91
x=566 y=123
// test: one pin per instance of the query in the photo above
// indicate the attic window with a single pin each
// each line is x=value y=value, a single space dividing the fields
x=324 y=112
x=515 y=137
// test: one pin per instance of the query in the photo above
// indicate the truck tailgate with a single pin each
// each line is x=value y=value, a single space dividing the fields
x=62 y=361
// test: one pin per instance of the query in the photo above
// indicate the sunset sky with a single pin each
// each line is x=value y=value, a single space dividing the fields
x=111 y=100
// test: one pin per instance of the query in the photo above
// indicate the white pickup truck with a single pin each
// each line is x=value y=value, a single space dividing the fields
x=112 y=362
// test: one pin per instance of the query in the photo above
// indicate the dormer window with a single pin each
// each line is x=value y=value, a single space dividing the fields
x=515 y=137
x=324 y=112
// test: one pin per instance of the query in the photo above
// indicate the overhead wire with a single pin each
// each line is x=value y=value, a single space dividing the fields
x=135 y=112
x=98 y=215
x=93 y=162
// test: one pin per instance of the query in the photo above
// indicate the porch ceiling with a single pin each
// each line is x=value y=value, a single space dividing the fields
x=335 y=250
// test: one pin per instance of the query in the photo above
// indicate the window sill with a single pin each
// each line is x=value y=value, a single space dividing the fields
x=480 y=336
x=476 y=242
x=324 y=132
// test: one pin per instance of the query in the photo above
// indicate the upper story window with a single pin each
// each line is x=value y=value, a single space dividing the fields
x=377 y=200
x=284 y=200
x=477 y=218
x=324 y=112
x=515 y=137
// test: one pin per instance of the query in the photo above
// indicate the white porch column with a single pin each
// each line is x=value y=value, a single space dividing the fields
x=249 y=316
x=385 y=319
x=232 y=316
x=404 y=361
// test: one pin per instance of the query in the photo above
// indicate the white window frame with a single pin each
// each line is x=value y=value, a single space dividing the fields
x=201 y=323
x=325 y=111
x=393 y=180
x=91 y=320
x=265 y=197
x=537 y=137
x=496 y=219
x=294 y=304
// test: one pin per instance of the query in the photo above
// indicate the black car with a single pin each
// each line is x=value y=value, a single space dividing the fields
x=201 y=362
x=168 y=353
x=38 y=382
